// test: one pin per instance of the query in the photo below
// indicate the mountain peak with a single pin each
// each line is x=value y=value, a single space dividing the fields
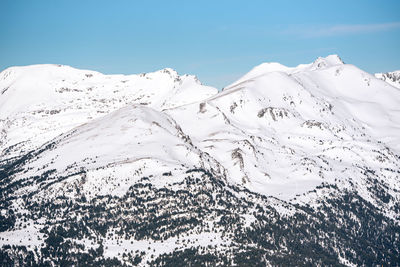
x=157 y=169
x=170 y=71
x=268 y=67
x=392 y=78
x=329 y=61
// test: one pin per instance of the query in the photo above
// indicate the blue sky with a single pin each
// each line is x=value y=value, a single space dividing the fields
x=217 y=40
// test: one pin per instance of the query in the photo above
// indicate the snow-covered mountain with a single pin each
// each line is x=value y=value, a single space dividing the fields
x=158 y=169
x=283 y=131
x=40 y=102
x=393 y=78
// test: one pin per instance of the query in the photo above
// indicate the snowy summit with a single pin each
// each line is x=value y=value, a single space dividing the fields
x=151 y=168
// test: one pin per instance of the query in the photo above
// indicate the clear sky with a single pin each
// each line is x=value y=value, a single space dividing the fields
x=216 y=40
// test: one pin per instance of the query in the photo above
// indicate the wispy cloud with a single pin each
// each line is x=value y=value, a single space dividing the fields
x=341 y=29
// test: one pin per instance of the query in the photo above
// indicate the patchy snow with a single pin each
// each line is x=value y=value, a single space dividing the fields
x=28 y=235
x=154 y=248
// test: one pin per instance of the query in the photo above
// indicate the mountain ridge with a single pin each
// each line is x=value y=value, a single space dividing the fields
x=248 y=175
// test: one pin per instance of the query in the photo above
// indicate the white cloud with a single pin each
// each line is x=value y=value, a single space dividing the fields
x=343 y=29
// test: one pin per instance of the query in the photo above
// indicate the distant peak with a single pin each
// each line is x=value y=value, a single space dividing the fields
x=335 y=58
x=169 y=71
x=271 y=66
x=329 y=61
x=392 y=77
x=396 y=72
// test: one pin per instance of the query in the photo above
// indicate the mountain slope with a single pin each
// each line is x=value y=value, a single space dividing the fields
x=39 y=102
x=393 y=78
x=282 y=133
x=286 y=166
x=113 y=152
